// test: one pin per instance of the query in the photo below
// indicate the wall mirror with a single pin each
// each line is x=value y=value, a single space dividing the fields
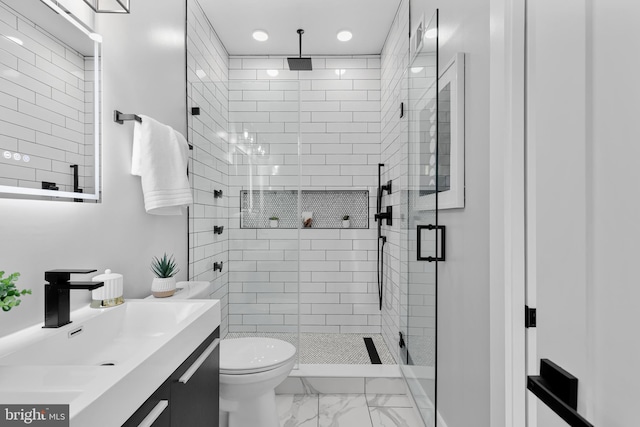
x=50 y=103
x=437 y=127
x=450 y=141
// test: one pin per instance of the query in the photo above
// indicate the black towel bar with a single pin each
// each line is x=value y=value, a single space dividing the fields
x=120 y=118
x=558 y=389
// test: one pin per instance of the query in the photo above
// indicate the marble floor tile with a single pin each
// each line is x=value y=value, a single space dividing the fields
x=297 y=410
x=385 y=386
x=343 y=410
x=389 y=400
x=346 y=410
x=394 y=417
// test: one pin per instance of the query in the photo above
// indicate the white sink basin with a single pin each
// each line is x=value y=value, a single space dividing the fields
x=106 y=358
x=110 y=338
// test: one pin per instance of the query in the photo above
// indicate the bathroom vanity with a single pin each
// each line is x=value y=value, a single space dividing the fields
x=114 y=366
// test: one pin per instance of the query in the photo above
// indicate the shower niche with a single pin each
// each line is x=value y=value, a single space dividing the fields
x=327 y=208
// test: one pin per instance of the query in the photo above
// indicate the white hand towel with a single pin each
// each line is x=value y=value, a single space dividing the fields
x=160 y=156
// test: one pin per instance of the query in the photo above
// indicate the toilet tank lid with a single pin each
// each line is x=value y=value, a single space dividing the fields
x=192 y=290
x=254 y=353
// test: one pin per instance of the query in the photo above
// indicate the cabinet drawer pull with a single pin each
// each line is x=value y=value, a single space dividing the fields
x=154 y=414
x=199 y=361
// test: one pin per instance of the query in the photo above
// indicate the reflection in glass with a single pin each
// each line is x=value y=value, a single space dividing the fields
x=49 y=126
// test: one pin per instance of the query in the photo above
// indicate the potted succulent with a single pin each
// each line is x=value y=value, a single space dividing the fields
x=165 y=269
x=346 y=223
x=9 y=293
x=273 y=222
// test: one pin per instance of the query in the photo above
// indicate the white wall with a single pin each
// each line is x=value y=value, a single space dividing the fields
x=582 y=111
x=557 y=216
x=463 y=279
x=612 y=310
x=144 y=66
x=394 y=137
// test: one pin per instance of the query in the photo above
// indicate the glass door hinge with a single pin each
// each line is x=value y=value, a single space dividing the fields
x=529 y=317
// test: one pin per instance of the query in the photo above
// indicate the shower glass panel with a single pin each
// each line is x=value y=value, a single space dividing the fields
x=420 y=209
x=264 y=212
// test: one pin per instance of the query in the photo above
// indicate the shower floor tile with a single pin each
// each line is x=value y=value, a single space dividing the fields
x=348 y=349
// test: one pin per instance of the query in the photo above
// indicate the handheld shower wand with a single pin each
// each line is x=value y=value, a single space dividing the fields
x=379 y=216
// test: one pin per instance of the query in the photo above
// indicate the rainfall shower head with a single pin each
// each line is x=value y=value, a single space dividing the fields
x=300 y=63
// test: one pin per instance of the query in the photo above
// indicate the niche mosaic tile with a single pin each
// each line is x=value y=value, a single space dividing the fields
x=326 y=206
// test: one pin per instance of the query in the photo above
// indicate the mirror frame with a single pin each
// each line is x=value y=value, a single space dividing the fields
x=97 y=44
x=453 y=74
x=453 y=198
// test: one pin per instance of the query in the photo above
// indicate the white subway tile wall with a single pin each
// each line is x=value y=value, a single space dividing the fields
x=46 y=106
x=409 y=301
x=336 y=109
x=339 y=104
x=394 y=140
x=207 y=88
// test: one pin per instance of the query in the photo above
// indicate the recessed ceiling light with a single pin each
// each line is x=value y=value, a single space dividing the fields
x=273 y=73
x=260 y=35
x=344 y=36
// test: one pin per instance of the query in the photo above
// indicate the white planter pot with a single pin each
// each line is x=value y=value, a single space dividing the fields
x=273 y=223
x=346 y=223
x=163 y=287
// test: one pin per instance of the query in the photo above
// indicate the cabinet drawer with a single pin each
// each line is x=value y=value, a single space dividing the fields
x=152 y=407
x=195 y=394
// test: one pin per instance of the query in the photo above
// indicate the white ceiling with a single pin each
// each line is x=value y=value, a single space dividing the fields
x=235 y=21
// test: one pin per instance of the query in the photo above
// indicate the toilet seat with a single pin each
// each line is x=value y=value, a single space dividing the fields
x=242 y=356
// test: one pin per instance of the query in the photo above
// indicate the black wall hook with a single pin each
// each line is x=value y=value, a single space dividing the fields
x=217 y=266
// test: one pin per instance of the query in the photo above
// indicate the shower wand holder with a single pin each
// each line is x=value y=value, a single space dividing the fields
x=387 y=187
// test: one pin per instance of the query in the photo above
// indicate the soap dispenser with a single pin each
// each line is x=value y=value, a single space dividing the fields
x=111 y=294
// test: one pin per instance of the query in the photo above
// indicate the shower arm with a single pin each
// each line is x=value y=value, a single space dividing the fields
x=300 y=33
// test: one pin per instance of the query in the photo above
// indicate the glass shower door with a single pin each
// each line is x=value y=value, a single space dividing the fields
x=264 y=219
x=420 y=232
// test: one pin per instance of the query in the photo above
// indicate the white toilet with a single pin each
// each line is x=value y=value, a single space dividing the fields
x=250 y=370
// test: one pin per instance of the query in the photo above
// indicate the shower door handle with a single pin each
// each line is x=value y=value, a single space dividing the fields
x=440 y=255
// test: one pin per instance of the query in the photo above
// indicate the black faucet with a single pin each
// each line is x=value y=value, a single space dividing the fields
x=57 y=305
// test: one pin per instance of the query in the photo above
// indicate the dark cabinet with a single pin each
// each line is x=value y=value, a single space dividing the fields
x=189 y=397
x=195 y=387
x=155 y=411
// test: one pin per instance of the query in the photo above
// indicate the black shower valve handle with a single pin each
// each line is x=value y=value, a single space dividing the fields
x=217 y=266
